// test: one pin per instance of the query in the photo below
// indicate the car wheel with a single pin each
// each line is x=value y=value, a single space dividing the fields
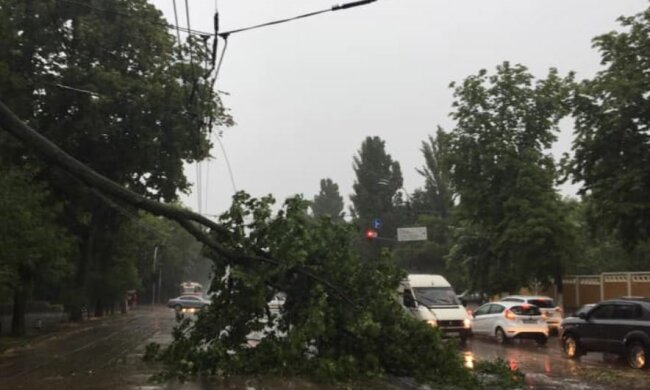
x=571 y=347
x=541 y=340
x=636 y=354
x=500 y=336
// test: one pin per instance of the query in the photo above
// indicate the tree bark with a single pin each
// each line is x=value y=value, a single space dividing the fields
x=19 y=312
x=99 y=308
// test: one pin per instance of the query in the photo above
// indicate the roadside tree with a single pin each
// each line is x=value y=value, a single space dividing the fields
x=612 y=142
x=110 y=85
x=376 y=188
x=512 y=226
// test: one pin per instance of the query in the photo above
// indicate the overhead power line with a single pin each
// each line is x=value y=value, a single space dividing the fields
x=225 y=33
x=331 y=9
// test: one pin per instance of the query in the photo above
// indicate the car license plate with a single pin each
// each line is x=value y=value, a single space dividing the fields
x=452 y=334
x=530 y=322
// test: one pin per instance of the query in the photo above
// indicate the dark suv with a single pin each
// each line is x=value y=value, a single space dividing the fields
x=619 y=326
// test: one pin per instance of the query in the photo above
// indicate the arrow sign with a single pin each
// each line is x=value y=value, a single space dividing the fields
x=377 y=223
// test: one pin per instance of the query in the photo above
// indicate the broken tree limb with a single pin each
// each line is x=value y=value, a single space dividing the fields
x=51 y=152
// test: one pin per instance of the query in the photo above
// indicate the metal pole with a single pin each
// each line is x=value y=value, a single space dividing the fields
x=159 y=282
x=153 y=285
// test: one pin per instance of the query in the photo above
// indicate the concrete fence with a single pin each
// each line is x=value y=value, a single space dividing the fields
x=583 y=289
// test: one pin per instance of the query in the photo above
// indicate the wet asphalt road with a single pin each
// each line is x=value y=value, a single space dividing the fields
x=106 y=354
x=101 y=354
x=546 y=367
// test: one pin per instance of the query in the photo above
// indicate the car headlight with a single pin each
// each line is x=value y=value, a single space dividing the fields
x=467 y=323
x=433 y=323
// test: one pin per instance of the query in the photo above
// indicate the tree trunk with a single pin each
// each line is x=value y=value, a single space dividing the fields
x=559 y=287
x=18 y=327
x=99 y=308
x=19 y=313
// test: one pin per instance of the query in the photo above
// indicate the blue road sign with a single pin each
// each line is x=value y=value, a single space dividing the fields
x=377 y=223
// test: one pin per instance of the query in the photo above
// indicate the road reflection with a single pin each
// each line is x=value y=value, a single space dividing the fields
x=547 y=368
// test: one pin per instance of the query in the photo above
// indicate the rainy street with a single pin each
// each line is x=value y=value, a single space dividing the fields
x=546 y=367
x=106 y=354
x=100 y=354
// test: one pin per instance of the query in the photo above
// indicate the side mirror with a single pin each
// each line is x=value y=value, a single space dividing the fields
x=410 y=303
x=582 y=316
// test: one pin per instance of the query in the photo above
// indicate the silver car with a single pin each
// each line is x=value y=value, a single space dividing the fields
x=187 y=302
x=510 y=320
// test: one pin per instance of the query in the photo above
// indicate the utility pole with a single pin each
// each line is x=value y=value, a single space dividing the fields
x=159 y=282
x=153 y=285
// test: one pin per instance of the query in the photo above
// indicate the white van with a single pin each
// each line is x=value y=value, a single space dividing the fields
x=431 y=298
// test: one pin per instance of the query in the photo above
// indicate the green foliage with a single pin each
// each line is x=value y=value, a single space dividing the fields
x=379 y=178
x=30 y=238
x=612 y=143
x=432 y=207
x=33 y=246
x=328 y=201
x=317 y=334
x=598 y=250
x=108 y=84
x=512 y=228
x=498 y=374
x=141 y=123
x=438 y=188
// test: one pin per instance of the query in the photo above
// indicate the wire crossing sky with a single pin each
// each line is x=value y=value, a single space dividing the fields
x=305 y=94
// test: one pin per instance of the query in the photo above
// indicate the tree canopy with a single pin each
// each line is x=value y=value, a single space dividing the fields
x=512 y=227
x=378 y=180
x=111 y=86
x=328 y=201
x=611 y=148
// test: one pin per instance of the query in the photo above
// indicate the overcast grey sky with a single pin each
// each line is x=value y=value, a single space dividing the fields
x=305 y=94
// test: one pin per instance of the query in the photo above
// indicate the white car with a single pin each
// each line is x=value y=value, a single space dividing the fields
x=509 y=320
x=546 y=305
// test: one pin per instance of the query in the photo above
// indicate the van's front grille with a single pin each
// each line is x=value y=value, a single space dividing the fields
x=450 y=323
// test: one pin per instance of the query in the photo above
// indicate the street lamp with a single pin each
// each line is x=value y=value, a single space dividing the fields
x=153 y=273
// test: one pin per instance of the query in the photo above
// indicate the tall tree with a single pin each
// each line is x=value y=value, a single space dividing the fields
x=328 y=201
x=108 y=84
x=33 y=247
x=612 y=142
x=432 y=207
x=437 y=185
x=513 y=229
x=379 y=179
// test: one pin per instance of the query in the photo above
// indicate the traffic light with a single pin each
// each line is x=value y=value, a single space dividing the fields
x=371 y=234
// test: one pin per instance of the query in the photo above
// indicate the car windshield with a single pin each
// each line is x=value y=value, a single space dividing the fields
x=526 y=310
x=434 y=296
x=542 y=303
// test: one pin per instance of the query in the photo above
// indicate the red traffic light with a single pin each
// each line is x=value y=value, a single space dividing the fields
x=371 y=234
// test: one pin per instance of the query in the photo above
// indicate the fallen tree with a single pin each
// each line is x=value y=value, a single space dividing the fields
x=256 y=255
